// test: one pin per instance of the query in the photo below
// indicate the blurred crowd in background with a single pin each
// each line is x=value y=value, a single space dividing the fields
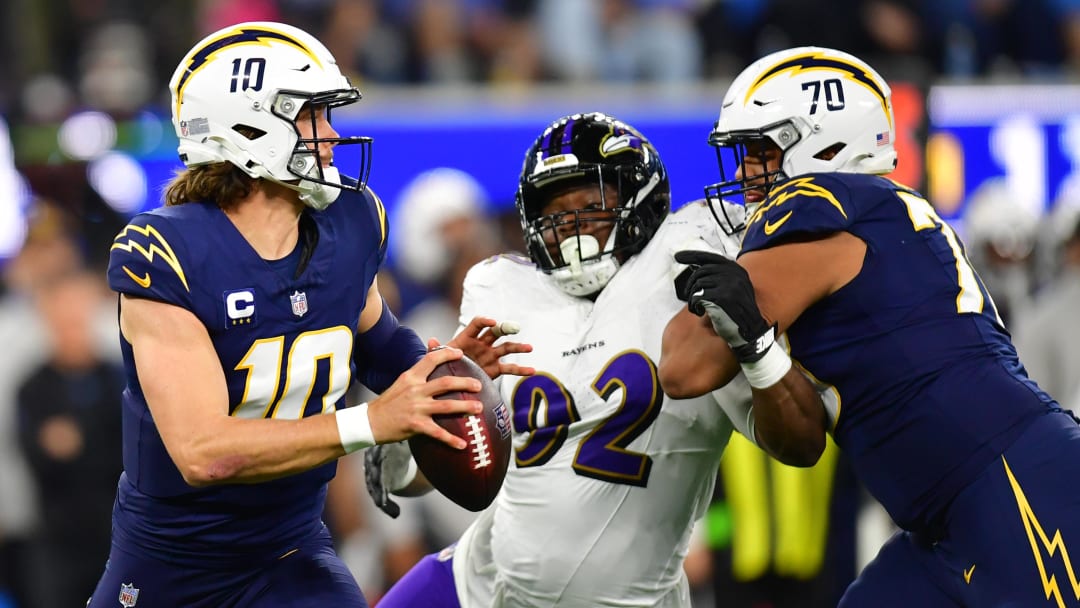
x=117 y=55
x=60 y=378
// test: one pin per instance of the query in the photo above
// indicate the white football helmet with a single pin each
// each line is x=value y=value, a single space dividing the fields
x=828 y=111
x=236 y=96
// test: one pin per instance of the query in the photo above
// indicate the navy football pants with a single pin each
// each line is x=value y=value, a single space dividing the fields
x=312 y=575
x=1008 y=535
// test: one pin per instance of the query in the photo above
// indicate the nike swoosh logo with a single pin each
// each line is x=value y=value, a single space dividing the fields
x=968 y=573
x=774 y=226
x=143 y=281
x=697 y=293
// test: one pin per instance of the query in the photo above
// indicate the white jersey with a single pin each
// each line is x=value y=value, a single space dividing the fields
x=608 y=474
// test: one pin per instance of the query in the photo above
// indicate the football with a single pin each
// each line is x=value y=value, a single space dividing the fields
x=470 y=477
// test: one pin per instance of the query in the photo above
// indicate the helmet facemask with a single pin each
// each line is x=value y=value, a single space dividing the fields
x=737 y=149
x=596 y=151
x=319 y=185
x=579 y=263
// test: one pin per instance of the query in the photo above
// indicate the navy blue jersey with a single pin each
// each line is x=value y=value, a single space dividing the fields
x=285 y=341
x=930 y=387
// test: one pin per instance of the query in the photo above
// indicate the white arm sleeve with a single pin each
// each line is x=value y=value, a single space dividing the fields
x=737 y=401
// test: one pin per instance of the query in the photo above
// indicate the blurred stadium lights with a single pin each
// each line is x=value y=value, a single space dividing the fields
x=14 y=198
x=87 y=135
x=120 y=181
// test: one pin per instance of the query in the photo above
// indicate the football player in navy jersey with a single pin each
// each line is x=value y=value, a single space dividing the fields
x=882 y=310
x=246 y=304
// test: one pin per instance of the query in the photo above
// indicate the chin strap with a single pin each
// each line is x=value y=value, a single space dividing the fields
x=320 y=196
x=313 y=194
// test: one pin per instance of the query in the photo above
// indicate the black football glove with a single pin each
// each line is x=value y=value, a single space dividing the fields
x=382 y=464
x=720 y=288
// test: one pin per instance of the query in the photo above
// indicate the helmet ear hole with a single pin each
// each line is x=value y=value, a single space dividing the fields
x=248 y=131
x=830 y=152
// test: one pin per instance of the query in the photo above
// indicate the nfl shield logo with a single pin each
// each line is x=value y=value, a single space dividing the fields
x=299 y=303
x=502 y=420
x=128 y=595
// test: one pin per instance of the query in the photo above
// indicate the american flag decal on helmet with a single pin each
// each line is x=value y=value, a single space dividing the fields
x=882 y=138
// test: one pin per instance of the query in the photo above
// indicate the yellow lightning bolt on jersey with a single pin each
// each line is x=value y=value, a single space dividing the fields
x=156 y=246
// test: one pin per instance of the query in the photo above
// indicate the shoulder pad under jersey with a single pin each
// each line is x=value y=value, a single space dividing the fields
x=800 y=208
x=148 y=258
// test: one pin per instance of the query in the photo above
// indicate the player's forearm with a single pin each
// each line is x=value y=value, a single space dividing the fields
x=693 y=359
x=250 y=451
x=790 y=420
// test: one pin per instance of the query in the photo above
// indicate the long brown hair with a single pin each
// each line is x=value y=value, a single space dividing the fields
x=222 y=183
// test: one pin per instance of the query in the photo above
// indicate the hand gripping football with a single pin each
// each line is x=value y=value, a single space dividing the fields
x=470 y=477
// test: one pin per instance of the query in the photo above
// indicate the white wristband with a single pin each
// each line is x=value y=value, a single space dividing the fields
x=354 y=429
x=769 y=369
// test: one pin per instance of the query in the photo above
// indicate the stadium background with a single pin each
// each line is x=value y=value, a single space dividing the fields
x=985 y=91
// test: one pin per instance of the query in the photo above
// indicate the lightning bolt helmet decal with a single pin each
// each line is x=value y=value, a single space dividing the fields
x=819 y=61
x=207 y=51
